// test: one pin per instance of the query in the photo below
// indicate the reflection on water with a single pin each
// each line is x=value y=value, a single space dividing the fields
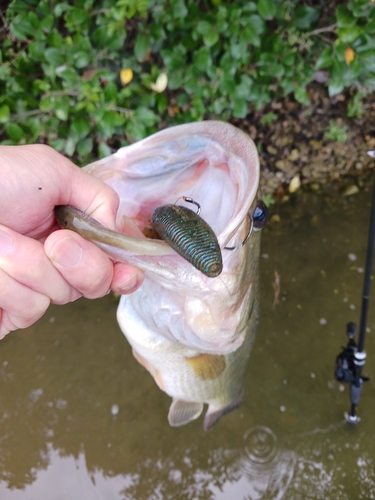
x=265 y=470
x=79 y=418
x=68 y=478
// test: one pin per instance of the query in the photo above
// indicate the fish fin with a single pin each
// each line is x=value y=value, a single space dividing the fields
x=183 y=412
x=141 y=360
x=154 y=372
x=212 y=417
x=207 y=366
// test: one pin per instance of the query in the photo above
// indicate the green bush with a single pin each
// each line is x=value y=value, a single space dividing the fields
x=61 y=62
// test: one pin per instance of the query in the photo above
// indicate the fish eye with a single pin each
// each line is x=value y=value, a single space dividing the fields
x=260 y=215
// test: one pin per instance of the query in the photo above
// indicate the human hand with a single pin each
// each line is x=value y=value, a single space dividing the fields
x=39 y=265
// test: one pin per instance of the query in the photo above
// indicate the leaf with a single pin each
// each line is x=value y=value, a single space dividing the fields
x=60 y=8
x=126 y=76
x=240 y=107
x=337 y=82
x=239 y=50
x=335 y=87
x=61 y=107
x=70 y=146
x=209 y=32
x=202 y=59
x=255 y=24
x=104 y=150
x=76 y=16
x=107 y=123
x=300 y=93
x=4 y=113
x=244 y=88
x=47 y=23
x=305 y=16
x=81 y=59
x=203 y=27
x=69 y=76
x=84 y=147
x=4 y=72
x=325 y=59
x=294 y=184
x=54 y=56
x=161 y=83
x=21 y=27
x=141 y=46
x=344 y=17
x=15 y=132
x=349 y=55
x=146 y=116
x=179 y=8
x=80 y=127
x=176 y=80
x=220 y=105
x=58 y=144
x=267 y=8
x=368 y=60
x=349 y=35
x=111 y=92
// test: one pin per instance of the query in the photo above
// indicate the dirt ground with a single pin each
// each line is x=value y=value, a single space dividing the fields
x=296 y=155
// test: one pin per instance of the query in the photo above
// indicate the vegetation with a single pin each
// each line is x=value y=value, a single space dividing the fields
x=90 y=75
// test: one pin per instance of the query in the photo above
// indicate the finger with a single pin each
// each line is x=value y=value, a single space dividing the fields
x=24 y=260
x=82 y=264
x=84 y=191
x=43 y=178
x=126 y=278
x=21 y=306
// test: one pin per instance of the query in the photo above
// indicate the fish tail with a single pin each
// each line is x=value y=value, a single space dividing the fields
x=213 y=416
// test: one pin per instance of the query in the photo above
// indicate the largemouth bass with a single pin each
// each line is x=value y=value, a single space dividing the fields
x=192 y=332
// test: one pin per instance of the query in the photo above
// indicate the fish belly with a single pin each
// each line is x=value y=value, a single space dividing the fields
x=191 y=377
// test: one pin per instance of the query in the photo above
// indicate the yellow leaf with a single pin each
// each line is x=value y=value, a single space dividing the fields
x=161 y=83
x=349 y=55
x=294 y=184
x=126 y=76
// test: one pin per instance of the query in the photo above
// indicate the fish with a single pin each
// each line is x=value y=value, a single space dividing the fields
x=192 y=332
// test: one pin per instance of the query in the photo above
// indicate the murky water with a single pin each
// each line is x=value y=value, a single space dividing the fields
x=80 y=419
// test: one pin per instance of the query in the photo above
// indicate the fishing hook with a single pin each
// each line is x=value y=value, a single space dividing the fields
x=251 y=226
x=190 y=200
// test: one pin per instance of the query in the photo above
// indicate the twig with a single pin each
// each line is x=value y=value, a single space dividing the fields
x=126 y=111
x=322 y=30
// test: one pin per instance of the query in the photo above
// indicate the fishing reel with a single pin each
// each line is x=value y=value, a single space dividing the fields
x=348 y=361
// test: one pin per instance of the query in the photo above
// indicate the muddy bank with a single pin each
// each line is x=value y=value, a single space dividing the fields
x=295 y=151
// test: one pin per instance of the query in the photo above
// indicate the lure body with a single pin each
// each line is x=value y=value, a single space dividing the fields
x=183 y=230
x=190 y=236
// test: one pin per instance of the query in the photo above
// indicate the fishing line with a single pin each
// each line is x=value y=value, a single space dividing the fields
x=351 y=360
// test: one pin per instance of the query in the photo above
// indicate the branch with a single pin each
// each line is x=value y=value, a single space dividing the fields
x=322 y=30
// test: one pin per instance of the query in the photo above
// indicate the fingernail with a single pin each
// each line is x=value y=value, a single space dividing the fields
x=129 y=286
x=6 y=243
x=67 y=253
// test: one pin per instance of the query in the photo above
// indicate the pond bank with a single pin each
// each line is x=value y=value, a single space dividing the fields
x=315 y=146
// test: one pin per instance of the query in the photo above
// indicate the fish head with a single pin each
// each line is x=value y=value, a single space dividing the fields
x=211 y=162
x=216 y=165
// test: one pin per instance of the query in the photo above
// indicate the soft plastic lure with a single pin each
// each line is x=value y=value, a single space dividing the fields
x=190 y=236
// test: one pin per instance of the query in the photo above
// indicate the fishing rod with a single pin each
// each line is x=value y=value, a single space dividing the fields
x=352 y=359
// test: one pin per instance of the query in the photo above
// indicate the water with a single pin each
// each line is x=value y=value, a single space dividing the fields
x=79 y=418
